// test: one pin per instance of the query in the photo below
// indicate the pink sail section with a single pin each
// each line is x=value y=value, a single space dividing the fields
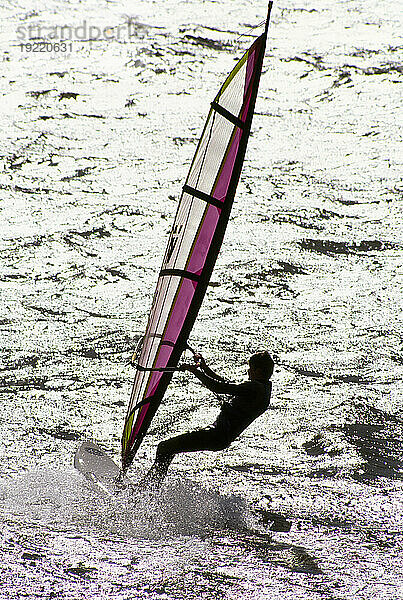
x=180 y=310
x=139 y=421
x=206 y=233
x=193 y=244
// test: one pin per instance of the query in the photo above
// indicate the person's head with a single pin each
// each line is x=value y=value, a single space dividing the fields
x=261 y=366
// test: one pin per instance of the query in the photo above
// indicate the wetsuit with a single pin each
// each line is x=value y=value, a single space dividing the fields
x=248 y=401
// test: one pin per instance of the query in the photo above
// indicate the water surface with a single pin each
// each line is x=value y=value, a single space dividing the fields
x=95 y=146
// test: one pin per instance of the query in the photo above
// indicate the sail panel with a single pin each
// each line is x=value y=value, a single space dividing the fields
x=194 y=242
x=210 y=153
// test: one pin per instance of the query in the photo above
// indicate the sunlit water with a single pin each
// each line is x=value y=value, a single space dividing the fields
x=95 y=146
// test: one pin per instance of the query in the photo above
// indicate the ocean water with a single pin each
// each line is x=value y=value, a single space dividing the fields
x=96 y=139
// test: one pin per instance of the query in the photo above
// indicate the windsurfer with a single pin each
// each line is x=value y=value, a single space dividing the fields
x=247 y=401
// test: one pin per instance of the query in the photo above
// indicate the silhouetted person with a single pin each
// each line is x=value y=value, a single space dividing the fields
x=247 y=401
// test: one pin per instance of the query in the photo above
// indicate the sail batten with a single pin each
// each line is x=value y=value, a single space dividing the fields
x=227 y=115
x=202 y=196
x=197 y=233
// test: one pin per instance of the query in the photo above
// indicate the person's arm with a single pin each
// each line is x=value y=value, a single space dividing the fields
x=218 y=387
x=201 y=363
x=215 y=385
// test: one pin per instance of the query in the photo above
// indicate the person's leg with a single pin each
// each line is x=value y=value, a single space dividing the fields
x=203 y=439
x=194 y=441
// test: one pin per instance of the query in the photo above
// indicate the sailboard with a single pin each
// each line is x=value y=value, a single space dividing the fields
x=100 y=470
x=197 y=233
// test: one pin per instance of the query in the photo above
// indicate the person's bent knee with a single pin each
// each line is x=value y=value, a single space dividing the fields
x=219 y=444
x=163 y=450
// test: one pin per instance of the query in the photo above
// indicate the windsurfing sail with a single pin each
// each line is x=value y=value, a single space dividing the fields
x=195 y=240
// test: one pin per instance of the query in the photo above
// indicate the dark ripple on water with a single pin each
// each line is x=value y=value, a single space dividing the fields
x=334 y=247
